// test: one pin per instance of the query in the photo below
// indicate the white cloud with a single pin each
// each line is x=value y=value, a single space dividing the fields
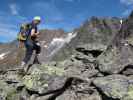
x=127 y=2
x=8 y=29
x=7 y=34
x=128 y=5
x=69 y=0
x=126 y=12
x=14 y=9
x=49 y=10
x=9 y=25
x=72 y=0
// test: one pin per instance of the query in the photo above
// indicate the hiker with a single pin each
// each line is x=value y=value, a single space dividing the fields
x=28 y=36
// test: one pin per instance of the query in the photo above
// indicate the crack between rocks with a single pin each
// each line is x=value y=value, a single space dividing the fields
x=97 y=68
x=130 y=66
x=95 y=53
x=57 y=92
x=103 y=95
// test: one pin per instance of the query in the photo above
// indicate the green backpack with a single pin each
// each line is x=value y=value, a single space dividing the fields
x=24 y=32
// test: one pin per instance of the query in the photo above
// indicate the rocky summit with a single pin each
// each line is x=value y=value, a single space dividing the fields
x=94 y=62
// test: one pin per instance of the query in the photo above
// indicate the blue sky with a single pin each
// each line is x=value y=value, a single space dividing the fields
x=65 y=14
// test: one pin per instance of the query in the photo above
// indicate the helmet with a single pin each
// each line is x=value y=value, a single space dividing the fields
x=37 y=18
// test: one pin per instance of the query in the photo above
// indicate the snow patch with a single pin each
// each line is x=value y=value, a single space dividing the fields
x=2 y=56
x=121 y=21
x=58 y=43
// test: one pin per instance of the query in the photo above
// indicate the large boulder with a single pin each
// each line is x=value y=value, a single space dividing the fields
x=80 y=92
x=7 y=92
x=76 y=68
x=61 y=80
x=115 y=86
x=119 y=53
x=43 y=78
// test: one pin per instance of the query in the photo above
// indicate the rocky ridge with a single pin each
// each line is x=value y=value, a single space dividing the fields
x=99 y=68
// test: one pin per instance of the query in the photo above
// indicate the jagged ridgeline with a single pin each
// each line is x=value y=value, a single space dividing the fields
x=95 y=32
x=95 y=62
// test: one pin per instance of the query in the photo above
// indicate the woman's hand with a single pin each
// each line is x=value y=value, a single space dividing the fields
x=33 y=33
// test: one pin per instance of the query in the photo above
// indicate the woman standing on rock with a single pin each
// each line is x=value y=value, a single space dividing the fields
x=28 y=36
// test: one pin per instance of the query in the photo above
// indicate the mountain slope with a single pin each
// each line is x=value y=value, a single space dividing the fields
x=99 y=68
x=13 y=55
x=96 y=31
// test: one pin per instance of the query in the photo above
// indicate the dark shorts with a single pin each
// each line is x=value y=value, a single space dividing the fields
x=30 y=47
x=33 y=45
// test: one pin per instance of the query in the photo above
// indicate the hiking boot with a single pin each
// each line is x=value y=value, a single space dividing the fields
x=23 y=64
x=21 y=69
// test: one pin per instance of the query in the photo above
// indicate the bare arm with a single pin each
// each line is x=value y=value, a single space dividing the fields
x=33 y=33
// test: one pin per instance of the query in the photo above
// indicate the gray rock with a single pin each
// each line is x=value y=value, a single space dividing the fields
x=7 y=92
x=114 y=60
x=119 y=53
x=43 y=78
x=76 y=68
x=84 y=57
x=83 y=94
x=128 y=70
x=115 y=86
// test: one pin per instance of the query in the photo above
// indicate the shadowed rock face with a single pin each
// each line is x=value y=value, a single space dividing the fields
x=119 y=53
